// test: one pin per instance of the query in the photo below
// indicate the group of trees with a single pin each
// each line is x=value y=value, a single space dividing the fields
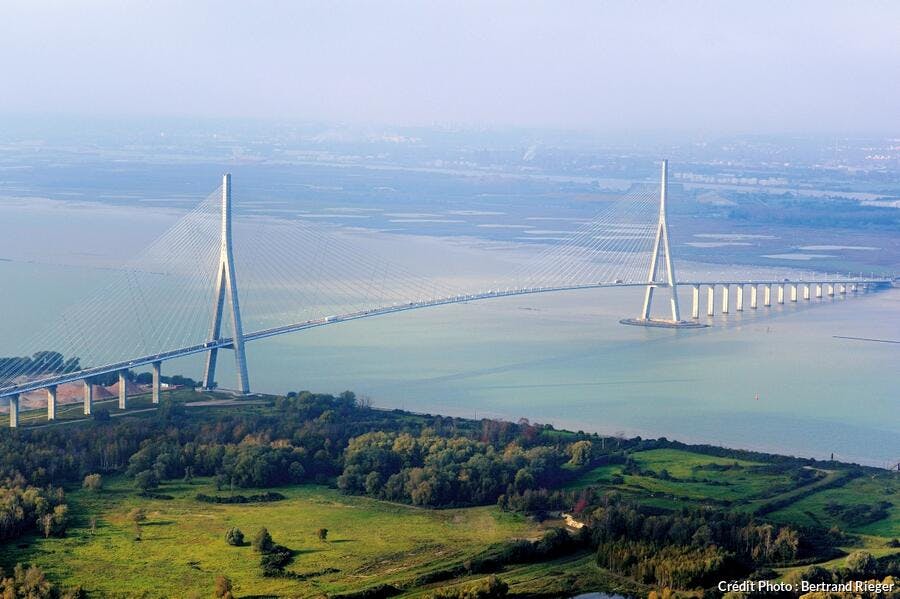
x=434 y=471
x=25 y=508
x=42 y=362
x=30 y=582
x=859 y=565
x=489 y=588
x=274 y=558
x=688 y=548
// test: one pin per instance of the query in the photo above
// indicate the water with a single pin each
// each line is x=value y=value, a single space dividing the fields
x=557 y=358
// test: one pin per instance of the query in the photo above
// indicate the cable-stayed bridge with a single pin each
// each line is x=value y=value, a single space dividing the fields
x=210 y=284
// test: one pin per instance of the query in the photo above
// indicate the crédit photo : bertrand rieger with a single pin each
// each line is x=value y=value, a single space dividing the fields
x=853 y=586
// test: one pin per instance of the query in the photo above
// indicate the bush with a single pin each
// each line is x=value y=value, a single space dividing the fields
x=861 y=563
x=93 y=482
x=490 y=588
x=262 y=541
x=146 y=480
x=234 y=536
x=223 y=588
x=274 y=561
x=258 y=498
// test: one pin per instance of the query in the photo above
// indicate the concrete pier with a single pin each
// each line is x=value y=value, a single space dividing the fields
x=781 y=293
x=88 y=397
x=754 y=299
x=726 y=289
x=711 y=300
x=806 y=291
x=793 y=292
x=842 y=288
x=830 y=288
x=739 y=299
x=767 y=295
x=14 y=410
x=695 y=305
x=123 y=391
x=51 y=402
x=155 y=385
x=818 y=290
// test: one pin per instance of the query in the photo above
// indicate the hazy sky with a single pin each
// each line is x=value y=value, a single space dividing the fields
x=717 y=66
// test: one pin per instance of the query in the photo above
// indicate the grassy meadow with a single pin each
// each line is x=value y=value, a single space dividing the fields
x=183 y=548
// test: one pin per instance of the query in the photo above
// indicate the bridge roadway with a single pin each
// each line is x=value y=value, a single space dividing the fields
x=156 y=359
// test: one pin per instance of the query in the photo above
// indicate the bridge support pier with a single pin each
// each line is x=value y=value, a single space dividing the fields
x=14 y=410
x=711 y=300
x=726 y=289
x=781 y=293
x=88 y=396
x=51 y=402
x=123 y=391
x=830 y=288
x=154 y=385
x=754 y=296
x=695 y=304
x=818 y=290
x=842 y=287
x=794 y=292
x=767 y=295
x=739 y=299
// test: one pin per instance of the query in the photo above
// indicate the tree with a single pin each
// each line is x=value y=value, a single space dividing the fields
x=93 y=482
x=146 y=480
x=262 y=541
x=786 y=544
x=861 y=563
x=234 y=536
x=47 y=524
x=223 y=588
x=524 y=480
x=580 y=453
x=54 y=523
x=322 y=533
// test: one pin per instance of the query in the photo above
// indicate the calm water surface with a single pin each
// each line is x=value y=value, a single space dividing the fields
x=558 y=358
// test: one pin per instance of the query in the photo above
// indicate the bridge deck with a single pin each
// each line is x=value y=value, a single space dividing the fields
x=60 y=379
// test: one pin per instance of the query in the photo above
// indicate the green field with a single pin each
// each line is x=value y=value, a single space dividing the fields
x=811 y=510
x=183 y=547
x=687 y=484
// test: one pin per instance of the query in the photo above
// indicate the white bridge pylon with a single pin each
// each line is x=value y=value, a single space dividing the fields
x=661 y=250
x=662 y=270
x=226 y=288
